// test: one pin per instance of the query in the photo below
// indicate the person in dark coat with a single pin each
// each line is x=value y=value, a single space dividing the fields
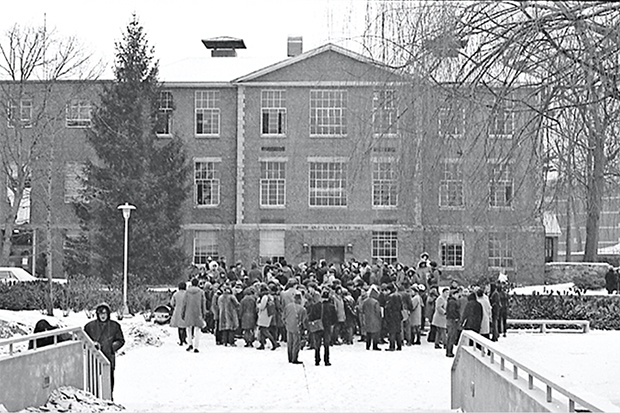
x=371 y=318
x=42 y=326
x=393 y=319
x=453 y=316
x=611 y=281
x=107 y=335
x=472 y=316
x=248 y=315
x=494 y=298
x=326 y=311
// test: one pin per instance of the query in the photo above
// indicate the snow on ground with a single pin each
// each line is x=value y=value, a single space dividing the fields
x=156 y=374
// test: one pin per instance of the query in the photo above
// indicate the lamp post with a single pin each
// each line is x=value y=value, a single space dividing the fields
x=126 y=213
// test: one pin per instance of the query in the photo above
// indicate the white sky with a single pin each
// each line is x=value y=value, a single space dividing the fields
x=176 y=27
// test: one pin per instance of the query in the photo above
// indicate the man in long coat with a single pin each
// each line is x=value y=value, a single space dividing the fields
x=248 y=314
x=295 y=321
x=394 y=319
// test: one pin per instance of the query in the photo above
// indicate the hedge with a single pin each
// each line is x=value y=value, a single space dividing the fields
x=77 y=294
x=603 y=311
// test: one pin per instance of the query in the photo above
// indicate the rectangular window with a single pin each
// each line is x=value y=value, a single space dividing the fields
x=384 y=183
x=74 y=173
x=451 y=246
x=385 y=246
x=273 y=112
x=205 y=246
x=164 y=114
x=24 y=116
x=272 y=183
x=502 y=120
x=500 y=250
x=451 y=120
x=271 y=246
x=207 y=183
x=549 y=248
x=500 y=185
x=451 y=185
x=78 y=114
x=328 y=115
x=207 y=113
x=328 y=184
x=384 y=113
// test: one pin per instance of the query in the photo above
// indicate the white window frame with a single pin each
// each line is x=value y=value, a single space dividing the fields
x=452 y=120
x=273 y=108
x=272 y=183
x=74 y=171
x=210 y=178
x=327 y=186
x=165 y=108
x=500 y=247
x=451 y=181
x=384 y=181
x=452 y=250
x=205 y=246
x=501 y=185
x=328 y=113
x=384 y=113
x=79 y=112
x=502 y=120
x=206 y=104
x=384 y=245
x=25 y=113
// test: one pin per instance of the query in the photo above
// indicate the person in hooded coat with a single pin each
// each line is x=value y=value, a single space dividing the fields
x=371 y=318
x=229 y=316
x=193 y=313
x=107 y=335
x=176 y=302
x=472 y=315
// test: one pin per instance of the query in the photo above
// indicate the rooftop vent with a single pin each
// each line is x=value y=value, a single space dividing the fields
x=294 y=46
x=224 y=46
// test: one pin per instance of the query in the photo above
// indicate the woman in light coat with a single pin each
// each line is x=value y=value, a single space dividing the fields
x=176 y=302
x=229 y=316
x=193 y=313
x=485 y=326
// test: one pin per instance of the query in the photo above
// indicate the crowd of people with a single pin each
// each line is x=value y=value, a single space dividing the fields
x=319 y=305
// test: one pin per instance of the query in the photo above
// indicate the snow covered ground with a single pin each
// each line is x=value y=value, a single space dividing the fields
x=156 y=374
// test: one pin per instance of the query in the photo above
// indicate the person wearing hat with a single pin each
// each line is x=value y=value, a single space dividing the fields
x=229 y=316
x=295 y=321
x=107 y=335
x=370 y=312
x=325 y=311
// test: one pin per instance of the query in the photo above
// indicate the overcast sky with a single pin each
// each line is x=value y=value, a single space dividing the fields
x=176 y=27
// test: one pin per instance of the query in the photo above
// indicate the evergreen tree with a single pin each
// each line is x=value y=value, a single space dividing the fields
x=133 y=165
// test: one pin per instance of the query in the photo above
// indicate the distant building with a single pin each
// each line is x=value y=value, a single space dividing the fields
x=328 y=155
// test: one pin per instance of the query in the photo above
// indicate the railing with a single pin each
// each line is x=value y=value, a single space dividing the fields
x=97 y=376
x=498 y=358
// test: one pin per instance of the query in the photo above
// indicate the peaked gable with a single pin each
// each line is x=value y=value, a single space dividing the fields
x=329 y=63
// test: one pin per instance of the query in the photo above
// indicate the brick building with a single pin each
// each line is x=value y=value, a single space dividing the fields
x=327 y=155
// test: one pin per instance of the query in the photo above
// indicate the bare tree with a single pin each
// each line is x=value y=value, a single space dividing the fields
x=33 y=63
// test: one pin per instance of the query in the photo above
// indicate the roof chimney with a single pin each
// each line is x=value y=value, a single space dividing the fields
x=295 y=46
x=224 y=46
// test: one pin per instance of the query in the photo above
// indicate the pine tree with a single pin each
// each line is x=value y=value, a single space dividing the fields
x=133 y=165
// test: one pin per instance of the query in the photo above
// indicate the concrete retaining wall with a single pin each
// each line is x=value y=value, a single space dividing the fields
x=478 y=387
x=27 y=379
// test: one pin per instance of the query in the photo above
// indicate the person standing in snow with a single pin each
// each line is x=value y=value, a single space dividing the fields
x=176 y=302
x=485 y=326
x=107 y=335
x=295 y=321
x=370 y=312
x=247 y=315
x=193 y=313
x=472 y=315
x=229 y=316
x=263 y=305
x=325 y=311
x=439 y=318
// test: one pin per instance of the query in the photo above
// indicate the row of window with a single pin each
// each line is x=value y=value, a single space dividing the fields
x=328 y=184
x=327 y=114
x=384 y=245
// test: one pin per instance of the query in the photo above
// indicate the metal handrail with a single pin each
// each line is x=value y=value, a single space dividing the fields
x=487 y=349
x=97 y=367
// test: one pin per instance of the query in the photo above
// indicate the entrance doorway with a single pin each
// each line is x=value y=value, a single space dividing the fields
x=331 y=253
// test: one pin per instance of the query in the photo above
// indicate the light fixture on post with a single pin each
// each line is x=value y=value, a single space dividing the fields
x=349 y=247
x=305 y=247
x=126 y=214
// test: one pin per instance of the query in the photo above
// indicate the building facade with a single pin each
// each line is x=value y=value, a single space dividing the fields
x=327 y=155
